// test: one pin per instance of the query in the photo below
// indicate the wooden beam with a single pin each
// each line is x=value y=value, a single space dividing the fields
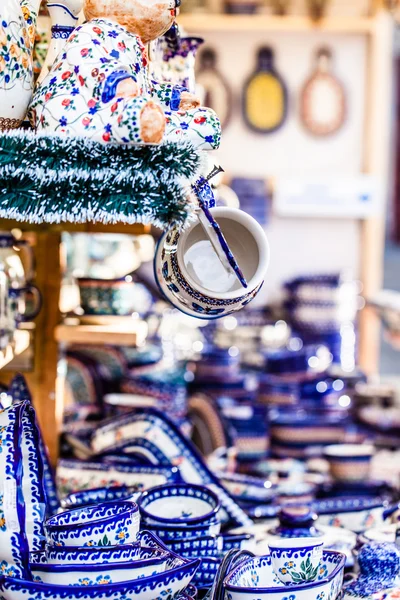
x=134 y=229
x=376 y=162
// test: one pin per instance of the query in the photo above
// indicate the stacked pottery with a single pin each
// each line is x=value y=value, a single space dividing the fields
x=322 y=310
x=185 y=518
x=97 y=551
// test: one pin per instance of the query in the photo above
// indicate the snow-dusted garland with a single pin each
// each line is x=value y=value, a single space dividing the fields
x=51 y=179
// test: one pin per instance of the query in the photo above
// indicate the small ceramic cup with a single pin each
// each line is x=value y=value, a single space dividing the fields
x=349 y=462
x=296 y=560
x=108 y=524
x=191 y=275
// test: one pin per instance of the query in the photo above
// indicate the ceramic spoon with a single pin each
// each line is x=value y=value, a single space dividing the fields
x=213 y=231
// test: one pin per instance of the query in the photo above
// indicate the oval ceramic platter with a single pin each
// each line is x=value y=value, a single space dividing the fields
x=323 y=105
x=151 y=434
x=265 y=100
x=218 y=95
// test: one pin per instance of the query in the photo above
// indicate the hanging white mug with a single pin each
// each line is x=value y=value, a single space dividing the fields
x=190 y=273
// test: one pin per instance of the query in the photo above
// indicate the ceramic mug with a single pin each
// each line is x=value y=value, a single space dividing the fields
x=349 y=462
x=296 y=560
x=191 y=276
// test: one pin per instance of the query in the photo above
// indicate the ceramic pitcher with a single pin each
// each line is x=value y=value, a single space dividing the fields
x=17 y=36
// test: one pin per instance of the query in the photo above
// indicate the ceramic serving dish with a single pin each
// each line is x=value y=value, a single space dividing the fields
x=154 y=436
x=167 y=584
x=149 y=562
x=255 y=578
x=107 y=524
x=74 y=475
x=177 y=504
x=349 y=462
x=354 y=513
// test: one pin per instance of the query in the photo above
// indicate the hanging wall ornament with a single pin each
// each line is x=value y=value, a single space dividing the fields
x=265 y=96
x=323 y=98
x=317 y=8
x=218 y=95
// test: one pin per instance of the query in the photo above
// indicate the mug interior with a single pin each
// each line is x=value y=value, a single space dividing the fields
x=202 y=267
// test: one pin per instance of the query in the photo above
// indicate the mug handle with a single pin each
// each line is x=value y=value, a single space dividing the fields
x=38 y=302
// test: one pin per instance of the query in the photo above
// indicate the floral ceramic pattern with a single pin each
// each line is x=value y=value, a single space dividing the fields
x=307 y=571
x=17 y=36
x=79 y=95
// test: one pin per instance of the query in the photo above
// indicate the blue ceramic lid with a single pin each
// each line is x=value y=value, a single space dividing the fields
x=297 y=522
x=379 y=566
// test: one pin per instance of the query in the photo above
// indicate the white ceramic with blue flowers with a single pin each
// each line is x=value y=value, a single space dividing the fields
x=255 y=579
x=191 y=275
x=149 y=562
x=165 y=586
x=296 y=560
x=107 y=524
x=175 y=504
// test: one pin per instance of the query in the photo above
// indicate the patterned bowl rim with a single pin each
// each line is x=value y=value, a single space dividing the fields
x=105 y=589
x=207 y=496
x=52 y=523
x=95 y=567
x=284 y=588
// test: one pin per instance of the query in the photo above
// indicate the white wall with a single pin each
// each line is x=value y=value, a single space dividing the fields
x=297 y=245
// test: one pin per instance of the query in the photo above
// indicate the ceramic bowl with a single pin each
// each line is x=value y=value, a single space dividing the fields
x=354 y=513
x=349 y=462
x=149 y=562
x=255 y=578
x=73 y=555
x=107 y=296
x=199 y=547
x=99 y=495
x=107 y=524
x=169 y=532
x=170 y=583
x=178 y=504
x=296 y=560
x=206 y=572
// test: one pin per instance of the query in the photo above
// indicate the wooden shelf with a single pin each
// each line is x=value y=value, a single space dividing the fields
x=134 y=335
x=22 y=341
x=196 y=23
x=134 y=229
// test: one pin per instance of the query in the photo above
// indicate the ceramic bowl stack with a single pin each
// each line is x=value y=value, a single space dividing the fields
x=322 y=310
x=185 y=517
x=96 y=552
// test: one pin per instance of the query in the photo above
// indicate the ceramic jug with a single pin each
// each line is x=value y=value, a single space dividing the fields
x=14 y=288
x=17 y=36
x=64 y=19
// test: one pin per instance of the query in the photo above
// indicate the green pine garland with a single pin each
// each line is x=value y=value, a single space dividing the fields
x=52 y=179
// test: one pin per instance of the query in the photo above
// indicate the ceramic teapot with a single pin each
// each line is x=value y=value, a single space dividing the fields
x=17 y=36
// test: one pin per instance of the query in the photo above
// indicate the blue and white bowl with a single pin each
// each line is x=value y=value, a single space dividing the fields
x=206 y=572
x=168 y=584
x=255 y=578
x=169 y=533
x=99 y=495
x=349 y=462
x=108 y=524
x=199 y=547
x=150 y=562
x=296 y=560
x=176 y=504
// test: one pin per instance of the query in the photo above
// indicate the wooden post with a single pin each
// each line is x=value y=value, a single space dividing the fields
x=43 y=379
x=376 y=162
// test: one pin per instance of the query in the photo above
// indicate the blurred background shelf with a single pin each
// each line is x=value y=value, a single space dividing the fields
x=270 y=23
x=117 y=335
x=134 y=229
x=22 y=341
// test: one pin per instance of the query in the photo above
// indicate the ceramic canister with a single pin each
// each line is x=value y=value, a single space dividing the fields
x=193 y=279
